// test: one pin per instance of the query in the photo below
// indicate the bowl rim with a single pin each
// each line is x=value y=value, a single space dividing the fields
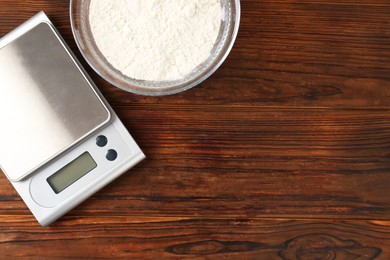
x=174 y=89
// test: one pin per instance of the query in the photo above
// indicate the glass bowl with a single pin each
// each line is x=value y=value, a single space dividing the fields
x=79 y=13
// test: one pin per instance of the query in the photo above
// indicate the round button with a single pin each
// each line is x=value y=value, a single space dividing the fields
x=111 y=155
x=101 y=141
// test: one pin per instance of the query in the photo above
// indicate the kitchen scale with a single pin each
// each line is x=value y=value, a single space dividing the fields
x=60 y=140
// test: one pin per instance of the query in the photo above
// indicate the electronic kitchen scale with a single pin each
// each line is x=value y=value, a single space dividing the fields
x=61 y=141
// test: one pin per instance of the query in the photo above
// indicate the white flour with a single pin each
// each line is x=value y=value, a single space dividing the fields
x=155 y=39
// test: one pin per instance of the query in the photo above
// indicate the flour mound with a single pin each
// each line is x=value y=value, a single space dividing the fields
x=155 y=40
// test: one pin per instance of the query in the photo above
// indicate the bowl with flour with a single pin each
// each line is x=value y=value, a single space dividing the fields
x=155 y=47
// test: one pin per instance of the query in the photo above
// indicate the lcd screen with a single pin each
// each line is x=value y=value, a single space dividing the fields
x=70 y=173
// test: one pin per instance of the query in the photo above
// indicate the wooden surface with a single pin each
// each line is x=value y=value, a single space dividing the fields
x=284 y=153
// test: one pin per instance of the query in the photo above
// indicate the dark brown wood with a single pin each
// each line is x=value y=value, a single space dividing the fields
x=284 y=153
x=178 y=238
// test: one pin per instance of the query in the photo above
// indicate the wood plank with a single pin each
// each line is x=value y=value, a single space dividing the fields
x=208 y=161
x=178 y=238
x=288 y=53
x=300 y=54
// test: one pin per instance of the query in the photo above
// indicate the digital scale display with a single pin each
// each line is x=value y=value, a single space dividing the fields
x=71 y=172
x=64 y=142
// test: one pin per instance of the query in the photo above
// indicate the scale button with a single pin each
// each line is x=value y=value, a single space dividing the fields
x=101 y=141
x=111 y=155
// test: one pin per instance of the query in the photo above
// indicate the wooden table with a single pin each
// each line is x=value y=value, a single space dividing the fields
x=284 y=153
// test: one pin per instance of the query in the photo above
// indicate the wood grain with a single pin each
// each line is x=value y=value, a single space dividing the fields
x=288 y=165
x=179 y=238
x=284 y=153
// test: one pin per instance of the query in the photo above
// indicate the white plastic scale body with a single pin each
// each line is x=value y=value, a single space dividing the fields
x=61 y=141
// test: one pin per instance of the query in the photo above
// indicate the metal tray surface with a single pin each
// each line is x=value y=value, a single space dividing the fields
x=46 y=103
